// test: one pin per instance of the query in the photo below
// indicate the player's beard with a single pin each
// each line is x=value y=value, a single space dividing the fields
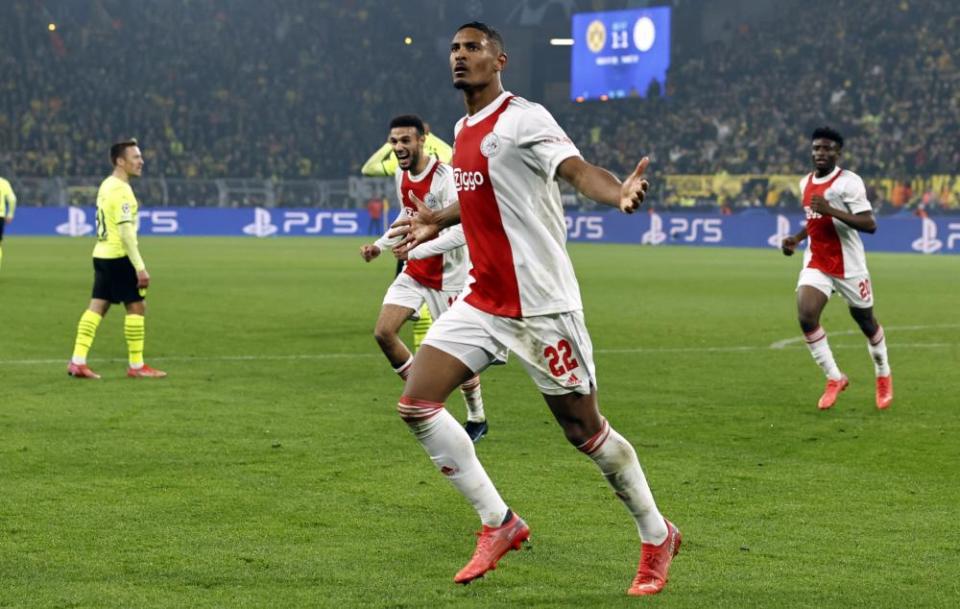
x=414 y=162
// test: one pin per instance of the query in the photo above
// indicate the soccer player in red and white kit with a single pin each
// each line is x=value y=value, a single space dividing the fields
x=837 y=210
x=523 y=299
x=436 y=270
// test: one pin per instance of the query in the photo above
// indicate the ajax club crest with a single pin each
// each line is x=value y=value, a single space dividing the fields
x=490 y=145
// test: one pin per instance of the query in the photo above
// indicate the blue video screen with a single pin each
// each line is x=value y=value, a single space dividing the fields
x=618 y=54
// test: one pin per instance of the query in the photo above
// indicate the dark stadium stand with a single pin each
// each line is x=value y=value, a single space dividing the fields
x=214 y=93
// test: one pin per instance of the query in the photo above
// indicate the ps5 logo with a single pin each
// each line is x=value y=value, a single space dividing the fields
x=343 y=222
x=928 y=243
x=954 y=236
x=584 y=227
x=783 y=231
x=161 y=222
x=262 y=225
x=654 y=236
x=691 y=230
x=76 y=224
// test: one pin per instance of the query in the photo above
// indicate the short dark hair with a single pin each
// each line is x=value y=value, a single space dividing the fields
x=117 y=150
x=828 y=134
x=408 y=120
x=488 y=31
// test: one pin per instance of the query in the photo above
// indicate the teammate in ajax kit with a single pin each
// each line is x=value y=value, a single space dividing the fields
x=436 y=270
x=524 y=299
x=837 y=210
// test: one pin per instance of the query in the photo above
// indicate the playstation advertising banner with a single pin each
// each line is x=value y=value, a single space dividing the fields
x=907 y=233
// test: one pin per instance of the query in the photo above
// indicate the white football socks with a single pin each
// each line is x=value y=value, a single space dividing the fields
x=452 y=453
x=619 y=464
x=473 y=400
x=404 y=369
x=820 y=350
x=877 y=346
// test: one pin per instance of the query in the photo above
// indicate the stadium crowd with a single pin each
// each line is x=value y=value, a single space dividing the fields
x=293 y=91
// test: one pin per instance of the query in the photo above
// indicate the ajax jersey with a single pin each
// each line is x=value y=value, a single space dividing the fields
x=446 y=271
x=505 y=159
x=835 y=248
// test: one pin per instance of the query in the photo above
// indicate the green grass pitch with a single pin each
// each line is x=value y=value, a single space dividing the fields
x=271 y=470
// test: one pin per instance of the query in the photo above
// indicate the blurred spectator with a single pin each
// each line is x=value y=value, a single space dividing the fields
x=375 y=209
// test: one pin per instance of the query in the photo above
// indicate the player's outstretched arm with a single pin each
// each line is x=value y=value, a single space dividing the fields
x=424 y=225
x=603 y=187
x=385 y=242
x=863 y=221
x=450 y=240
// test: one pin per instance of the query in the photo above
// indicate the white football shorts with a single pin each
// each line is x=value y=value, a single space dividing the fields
x=555 y=349
x=857 y=291
x=405 y=291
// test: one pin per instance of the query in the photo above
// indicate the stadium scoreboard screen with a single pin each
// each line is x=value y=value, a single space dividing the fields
x=619 y=53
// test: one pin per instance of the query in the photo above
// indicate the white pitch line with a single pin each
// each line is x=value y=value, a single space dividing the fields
x=325 y=356
x=780 y=344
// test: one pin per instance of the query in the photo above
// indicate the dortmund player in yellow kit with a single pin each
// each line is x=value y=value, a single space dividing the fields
x=8 y=204
x=119 y=272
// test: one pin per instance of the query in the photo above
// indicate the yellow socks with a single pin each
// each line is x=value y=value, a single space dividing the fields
x=86 y=331
x=134 y=332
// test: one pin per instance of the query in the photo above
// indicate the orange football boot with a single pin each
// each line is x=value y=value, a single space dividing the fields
x=655 y=562
x=884 y=391
x=81 y=371
x=145 y=373
x=492 y=544
x=831 y=391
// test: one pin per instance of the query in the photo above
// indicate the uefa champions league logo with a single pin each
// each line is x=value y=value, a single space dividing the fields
x=262 y=226
x=76 y=224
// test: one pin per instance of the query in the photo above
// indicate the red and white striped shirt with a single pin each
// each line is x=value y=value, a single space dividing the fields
x=433 y=186
x=835 y=247
x=505 y=159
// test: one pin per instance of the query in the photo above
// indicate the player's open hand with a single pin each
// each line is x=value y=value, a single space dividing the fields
x=369 y=252
x=820 y=205
x=143 y=279
x=788 y=246
x=633 y=190
x=8 y=219
x=416 y=228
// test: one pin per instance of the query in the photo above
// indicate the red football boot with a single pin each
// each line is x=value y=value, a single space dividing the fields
x=831 y=391
x=145 y=373
x=655 y=562
x=492 y=544
x=884 y=391
x=81 y=371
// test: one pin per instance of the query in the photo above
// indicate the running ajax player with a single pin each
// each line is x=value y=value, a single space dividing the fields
x=384 y=162
x=837 y=210
x=120 y=274
x=523 y=299
x=435 y=272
